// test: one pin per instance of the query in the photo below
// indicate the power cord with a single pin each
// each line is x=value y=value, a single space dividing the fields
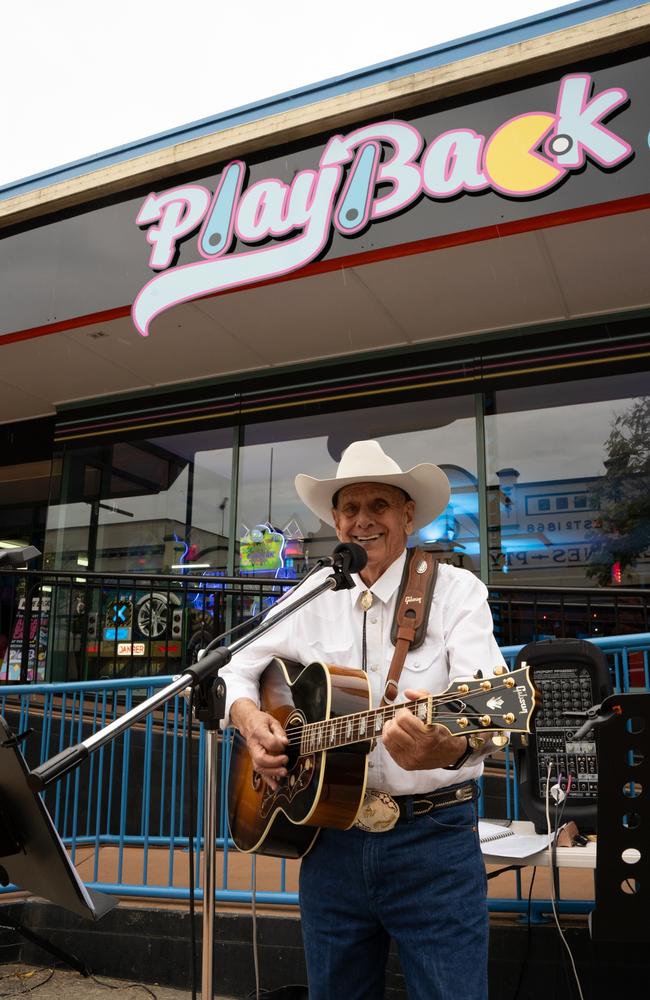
x=294 y=991
x=553 y=857
x=560 y=797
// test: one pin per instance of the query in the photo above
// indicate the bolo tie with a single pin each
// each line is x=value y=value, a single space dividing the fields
x=366 y=604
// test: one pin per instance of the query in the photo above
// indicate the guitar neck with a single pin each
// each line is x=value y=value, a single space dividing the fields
x=343 y=730
x=501 y=704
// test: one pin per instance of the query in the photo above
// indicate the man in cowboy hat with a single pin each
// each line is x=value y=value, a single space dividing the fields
x=421 y=882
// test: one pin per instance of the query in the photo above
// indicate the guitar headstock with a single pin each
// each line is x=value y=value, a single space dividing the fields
x=501 y=704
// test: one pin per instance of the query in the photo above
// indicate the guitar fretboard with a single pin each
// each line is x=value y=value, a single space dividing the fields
x=346 y=729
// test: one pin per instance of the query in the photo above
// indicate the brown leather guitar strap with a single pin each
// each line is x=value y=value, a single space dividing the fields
x=409 y=626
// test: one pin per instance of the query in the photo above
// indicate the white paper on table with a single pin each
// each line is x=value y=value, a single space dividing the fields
x=503 y=842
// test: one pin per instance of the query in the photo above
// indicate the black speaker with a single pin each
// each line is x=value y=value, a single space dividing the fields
x=571 y=676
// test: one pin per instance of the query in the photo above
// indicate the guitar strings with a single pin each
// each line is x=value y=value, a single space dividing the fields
x=371 y=734
x=441 y=699
x=310 y=729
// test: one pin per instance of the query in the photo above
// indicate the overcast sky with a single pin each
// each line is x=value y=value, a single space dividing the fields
x=81 y=76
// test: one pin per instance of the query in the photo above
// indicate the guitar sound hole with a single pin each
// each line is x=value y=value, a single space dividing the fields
x=298 y=768
x=293 y=728
x=301 y=767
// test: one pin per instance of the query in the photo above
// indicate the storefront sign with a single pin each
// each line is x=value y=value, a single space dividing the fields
x=251 y=232
x=130 y=649
x=261 y=549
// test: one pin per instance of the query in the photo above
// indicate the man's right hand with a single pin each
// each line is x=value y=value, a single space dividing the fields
x=265 y=738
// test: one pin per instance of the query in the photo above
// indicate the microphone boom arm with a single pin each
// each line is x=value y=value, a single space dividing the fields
x=346 y=561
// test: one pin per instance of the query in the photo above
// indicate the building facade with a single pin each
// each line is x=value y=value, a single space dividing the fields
x=448 y=253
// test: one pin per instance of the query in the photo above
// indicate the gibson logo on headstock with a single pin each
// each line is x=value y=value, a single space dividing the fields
x=521 y=694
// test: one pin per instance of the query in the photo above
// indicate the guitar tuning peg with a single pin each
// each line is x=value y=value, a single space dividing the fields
x=478 y=675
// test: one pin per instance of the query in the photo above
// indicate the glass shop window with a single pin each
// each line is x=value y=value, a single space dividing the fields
x=24 y=493
x=278 y=535
x=158 y=505
x=568 y=473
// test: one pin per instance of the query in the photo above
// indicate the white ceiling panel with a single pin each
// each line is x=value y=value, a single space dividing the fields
x=466 y=289
x=184 y=343
x=18 y=404
x=317 y=317
x=603 y=264
x=55 y=368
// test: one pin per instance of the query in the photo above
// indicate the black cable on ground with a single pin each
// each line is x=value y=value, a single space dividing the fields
x=29 y=989
x=295 y=991
x=125 y=986
x=529 y=937
x=88 y=975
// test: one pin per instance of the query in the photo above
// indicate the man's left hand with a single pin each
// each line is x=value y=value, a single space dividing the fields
x=415 y=746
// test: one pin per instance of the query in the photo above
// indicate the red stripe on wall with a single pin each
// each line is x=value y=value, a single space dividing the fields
x=583 y=214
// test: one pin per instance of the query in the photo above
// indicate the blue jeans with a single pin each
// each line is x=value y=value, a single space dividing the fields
x=422 y=883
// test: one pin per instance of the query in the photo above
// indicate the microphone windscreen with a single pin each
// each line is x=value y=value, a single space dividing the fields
x=356 y=553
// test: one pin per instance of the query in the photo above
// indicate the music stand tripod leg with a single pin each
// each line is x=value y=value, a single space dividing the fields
x=67 y=958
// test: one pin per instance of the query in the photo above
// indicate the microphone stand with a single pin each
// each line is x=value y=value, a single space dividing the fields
x=347 y=559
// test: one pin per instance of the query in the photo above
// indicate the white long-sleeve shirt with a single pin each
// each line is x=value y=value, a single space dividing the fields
x=459 y=641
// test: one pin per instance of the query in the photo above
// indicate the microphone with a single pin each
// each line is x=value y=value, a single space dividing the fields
x=350 y=556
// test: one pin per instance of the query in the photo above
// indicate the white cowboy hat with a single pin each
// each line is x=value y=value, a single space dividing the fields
x=367 y=462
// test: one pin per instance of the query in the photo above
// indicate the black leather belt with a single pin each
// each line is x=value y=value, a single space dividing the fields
x=413 y=806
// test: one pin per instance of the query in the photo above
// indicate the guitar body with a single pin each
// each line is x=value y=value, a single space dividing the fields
x=322 y=787
x=325 y=711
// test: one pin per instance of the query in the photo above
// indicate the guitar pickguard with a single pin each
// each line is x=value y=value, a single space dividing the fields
x=296 y=782
x=300 y=770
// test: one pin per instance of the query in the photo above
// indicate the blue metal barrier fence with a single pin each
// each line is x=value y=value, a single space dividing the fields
x=124 y=817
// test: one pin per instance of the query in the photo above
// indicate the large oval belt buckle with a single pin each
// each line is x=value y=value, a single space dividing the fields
x=379 y=812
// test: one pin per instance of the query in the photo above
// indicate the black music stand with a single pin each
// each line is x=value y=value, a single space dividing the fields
x=32 y=855
x=623 y=858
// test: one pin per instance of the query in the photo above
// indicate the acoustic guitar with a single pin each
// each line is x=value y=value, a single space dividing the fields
x=325 y=711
